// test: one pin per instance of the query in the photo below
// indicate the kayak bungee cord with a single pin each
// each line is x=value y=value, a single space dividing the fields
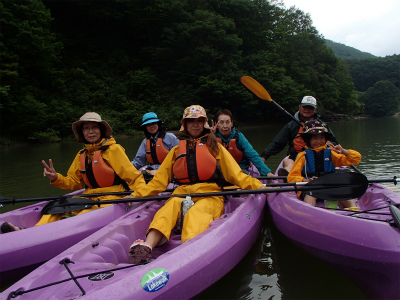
x=372 y=211
x=64 y=262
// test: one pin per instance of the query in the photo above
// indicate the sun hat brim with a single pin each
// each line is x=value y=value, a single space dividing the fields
x=90 y=117
x=150 y=121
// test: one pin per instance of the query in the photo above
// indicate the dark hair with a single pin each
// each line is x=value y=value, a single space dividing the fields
x=80 y=131
x=160 y=129
x=307 y=138
x=224 y=112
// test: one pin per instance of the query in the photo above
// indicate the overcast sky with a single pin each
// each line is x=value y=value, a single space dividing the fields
x=367 y=25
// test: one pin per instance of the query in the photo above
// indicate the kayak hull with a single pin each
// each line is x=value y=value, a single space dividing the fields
x=176 y=271
x=364 y=246
x=35 y=245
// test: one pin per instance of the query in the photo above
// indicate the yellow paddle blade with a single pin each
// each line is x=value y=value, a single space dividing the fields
x=254 y=86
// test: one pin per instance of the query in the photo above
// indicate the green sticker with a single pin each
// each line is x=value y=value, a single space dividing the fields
x=155 y=280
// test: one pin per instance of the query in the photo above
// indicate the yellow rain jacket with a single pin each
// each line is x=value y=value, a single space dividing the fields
x=204 y=210
x=338 y=160
x=115 y=156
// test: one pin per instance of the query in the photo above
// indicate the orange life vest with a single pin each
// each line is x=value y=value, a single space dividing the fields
x=96 y=172
x=232 y=148
x=156 y=152
x=298 y=142
x=195 y=163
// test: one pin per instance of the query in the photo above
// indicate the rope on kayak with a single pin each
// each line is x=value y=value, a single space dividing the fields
x=371 y=211
x=64 y=261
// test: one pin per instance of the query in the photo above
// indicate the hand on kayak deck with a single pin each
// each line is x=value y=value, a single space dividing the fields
x=49 y=171
x=266 y=187
x=129 y=196
x=309 y=179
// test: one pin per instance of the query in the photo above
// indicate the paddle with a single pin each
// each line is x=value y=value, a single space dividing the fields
x=4 y=201
x=335 y=186
x=395 y=212
x=254 y=86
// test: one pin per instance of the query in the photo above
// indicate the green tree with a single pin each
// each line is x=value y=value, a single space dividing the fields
x=382 y=99
x=123 y=58
x=366 y=72
x=28 y=53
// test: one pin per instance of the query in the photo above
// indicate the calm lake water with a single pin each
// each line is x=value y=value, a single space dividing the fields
x=275 y=268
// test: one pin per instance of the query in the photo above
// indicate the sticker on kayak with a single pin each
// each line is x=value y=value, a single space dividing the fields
x=101 y=276
x=155 y=280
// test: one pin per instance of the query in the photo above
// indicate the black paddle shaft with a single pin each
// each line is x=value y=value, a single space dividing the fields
x=335 y=186
x=286 y=112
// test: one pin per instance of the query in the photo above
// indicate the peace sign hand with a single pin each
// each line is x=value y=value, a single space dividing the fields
x=338 y=148
x=213 y=127
x=49 y=171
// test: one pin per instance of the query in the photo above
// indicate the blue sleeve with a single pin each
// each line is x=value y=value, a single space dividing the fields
x=140 y=158
x=252 y=155
x=170 y=140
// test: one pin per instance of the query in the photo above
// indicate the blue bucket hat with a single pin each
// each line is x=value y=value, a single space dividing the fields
x=149 y=118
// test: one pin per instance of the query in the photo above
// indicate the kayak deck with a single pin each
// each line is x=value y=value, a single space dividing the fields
x=364 y=245
x=101 y=265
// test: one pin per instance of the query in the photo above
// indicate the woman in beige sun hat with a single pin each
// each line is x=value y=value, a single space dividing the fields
x=101 y=166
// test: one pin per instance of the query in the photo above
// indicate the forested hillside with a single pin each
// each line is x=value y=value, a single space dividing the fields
x=347 y=52
x=376 y=79
x=123 y=58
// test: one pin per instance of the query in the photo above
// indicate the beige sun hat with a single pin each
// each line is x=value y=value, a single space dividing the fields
x=90 y=117
x=194 y=112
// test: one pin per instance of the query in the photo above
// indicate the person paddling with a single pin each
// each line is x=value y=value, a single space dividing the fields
x=197 y=163
x=321 y=157
x=290 y=135
x=155 y=147
x=102 y=166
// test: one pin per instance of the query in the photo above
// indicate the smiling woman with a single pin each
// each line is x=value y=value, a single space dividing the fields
x=236 y=143
x=102 y=166
x=198 y=164
x=91 y=132
x=155 y=147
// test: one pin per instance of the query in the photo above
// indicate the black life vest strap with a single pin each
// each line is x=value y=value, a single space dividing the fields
x=90 y=175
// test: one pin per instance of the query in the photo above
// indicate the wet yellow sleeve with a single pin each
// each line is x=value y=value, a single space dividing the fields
x=339 y=160
x=295 y=172
x=73 y=181
x=233 y=173
x=163 y=177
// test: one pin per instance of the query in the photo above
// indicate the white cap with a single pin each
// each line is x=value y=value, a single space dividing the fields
x=309 y=101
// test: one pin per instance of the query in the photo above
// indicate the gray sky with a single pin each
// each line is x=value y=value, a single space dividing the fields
x=367 y=25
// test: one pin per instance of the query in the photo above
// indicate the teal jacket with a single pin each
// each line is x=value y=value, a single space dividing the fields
x=249 y=154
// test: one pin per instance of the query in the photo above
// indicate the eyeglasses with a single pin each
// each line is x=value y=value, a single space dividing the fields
x=227 y=122
x=92 y=128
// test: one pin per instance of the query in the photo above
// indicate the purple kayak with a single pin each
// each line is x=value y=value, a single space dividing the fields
x=364 y=245
x=23 y=250
x=98 y=267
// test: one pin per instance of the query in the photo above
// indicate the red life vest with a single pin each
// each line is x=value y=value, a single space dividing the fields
x=232 y=148
x=96 y=172
x=156 y=152
x=195 y=163
x=298 y=142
